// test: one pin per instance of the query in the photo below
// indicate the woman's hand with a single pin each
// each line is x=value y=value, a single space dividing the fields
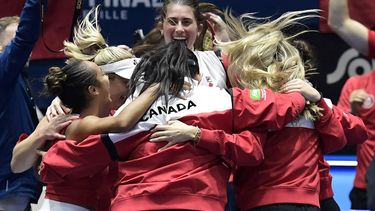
x=174 y=132
x=26 y=152
x=304 y=87
x=218 y=26
x=356 y=99
x=358 y=96
x=51 y=130
x=125 y=47
x=56 y=108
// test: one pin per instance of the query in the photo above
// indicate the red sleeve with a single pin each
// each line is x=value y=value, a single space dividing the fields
x=325 y=179
x=242 y=149
x=22 y=137
x=346 y=90
x=69 y=159
x=331 y=132
x=265 y=109
x=371 y=44
x=354 y=128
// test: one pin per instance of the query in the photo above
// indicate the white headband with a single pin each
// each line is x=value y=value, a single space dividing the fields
x=123 y=68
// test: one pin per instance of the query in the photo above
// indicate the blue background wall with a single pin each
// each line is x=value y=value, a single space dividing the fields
x=120 y=18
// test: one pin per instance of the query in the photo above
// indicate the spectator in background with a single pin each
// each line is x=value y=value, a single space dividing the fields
x=351 y=31
x=371 y=186
x=17 y=111
x=357 y=95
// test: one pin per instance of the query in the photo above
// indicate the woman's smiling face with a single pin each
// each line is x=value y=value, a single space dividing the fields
x=180 y=24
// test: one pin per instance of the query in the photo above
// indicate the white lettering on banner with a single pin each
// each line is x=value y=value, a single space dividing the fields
x=157 y=3
x=350 y=62
x=127 y=3
x=124 y=3
x=110 y=14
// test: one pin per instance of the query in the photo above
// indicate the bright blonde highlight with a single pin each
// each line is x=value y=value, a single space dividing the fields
x=89 y=44
x=261 y=55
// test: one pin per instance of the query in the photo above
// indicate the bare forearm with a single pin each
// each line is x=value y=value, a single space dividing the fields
x=351 y=31
x=133 y=112
x=338 y=13
x=123 y=122
x=25 y=153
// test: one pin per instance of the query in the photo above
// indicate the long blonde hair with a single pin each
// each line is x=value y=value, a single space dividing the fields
x=89 y=44
x=261 y=55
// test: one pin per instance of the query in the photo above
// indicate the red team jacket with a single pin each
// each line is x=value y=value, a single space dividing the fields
x=355 y=133
x=95 y=192
x=365 y=151
x=371 y=43
x=354 y=128
x=289 y=172
x=185 y=176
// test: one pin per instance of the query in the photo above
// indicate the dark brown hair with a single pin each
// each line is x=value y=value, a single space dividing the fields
x=155 y=38
x=70 y=84
x=168 y=66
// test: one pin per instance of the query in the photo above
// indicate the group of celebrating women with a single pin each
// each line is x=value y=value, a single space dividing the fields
x=170 y=129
